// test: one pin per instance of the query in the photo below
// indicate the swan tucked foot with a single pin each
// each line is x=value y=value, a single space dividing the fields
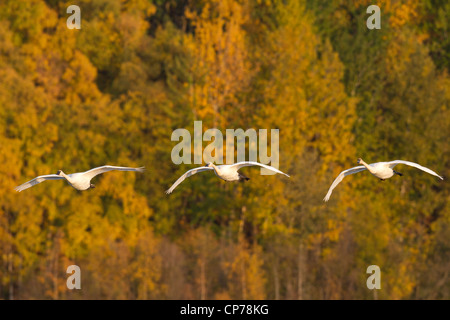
x=398 y=173
x=242 y=177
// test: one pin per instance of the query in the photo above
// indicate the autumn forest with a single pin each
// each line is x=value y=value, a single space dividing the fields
x=112 y=93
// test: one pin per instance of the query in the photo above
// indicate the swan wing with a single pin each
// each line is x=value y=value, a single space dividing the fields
x=187 y=174
x=415 y=165
x=340 y=177
x=239 y=165
x=36 y=181
x=96 y=171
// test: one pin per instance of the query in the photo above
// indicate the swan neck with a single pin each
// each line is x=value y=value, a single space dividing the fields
x=214 y=167
x=62 y=174
x=366 y=165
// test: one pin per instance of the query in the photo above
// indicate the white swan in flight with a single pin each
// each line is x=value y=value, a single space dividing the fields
x=80 y=180
x=227 y=172
x=381 y=170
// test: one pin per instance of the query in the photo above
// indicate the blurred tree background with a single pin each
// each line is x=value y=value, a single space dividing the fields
x=114 y=91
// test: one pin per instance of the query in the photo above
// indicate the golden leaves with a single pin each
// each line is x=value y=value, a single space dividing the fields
x=221 y=68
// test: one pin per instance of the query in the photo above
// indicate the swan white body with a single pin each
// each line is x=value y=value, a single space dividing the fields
x=381 y=170
x=227 y=172
x=80 y=180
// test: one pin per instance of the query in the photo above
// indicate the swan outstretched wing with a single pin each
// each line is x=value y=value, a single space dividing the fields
x=187 y=174
x=36 y=181
x=252 y=163
x=415 y=165
x=340 y=177
x=96 y=171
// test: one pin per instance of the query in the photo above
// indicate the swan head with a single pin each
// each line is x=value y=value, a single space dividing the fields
x=359 y=160
x=209 y=164
x=59 y=172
